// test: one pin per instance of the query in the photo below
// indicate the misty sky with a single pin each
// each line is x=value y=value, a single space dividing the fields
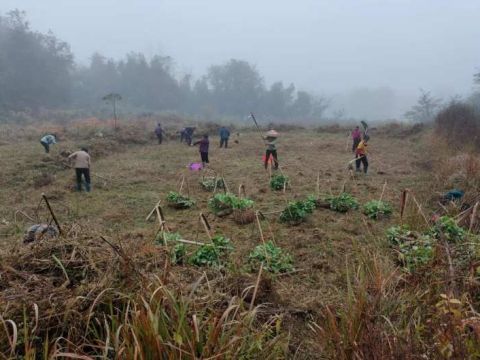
x=328 y=47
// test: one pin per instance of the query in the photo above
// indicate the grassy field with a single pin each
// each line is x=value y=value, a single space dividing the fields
x=347 y=296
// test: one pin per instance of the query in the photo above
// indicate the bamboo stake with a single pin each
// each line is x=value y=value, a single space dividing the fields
x=472 y=218
x=318 y=184
x=206 y=225
x=52 y=213
x=383 y=190
x=153 y=211
x=259 y=226
x=257 y=283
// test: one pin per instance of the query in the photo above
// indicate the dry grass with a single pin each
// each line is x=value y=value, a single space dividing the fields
x=346 y=298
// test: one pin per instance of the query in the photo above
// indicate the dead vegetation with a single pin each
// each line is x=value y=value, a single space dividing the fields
x=105 y=289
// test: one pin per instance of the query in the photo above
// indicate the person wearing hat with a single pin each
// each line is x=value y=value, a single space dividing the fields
x=270 y=142
x=361 y=155
x=81 y=163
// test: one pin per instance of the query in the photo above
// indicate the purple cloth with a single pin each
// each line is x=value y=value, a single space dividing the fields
x=356 y=134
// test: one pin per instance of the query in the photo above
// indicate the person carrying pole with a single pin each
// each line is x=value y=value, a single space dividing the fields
x=361 y=155
x=159 y=132
x=356 y=138
x=81 y=163
x=204 y=144
x=224 y=136
x=271 y=151
x=48 y=140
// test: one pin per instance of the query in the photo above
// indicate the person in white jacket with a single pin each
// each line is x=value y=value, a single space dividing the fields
x=48 y=140
x=81 y=163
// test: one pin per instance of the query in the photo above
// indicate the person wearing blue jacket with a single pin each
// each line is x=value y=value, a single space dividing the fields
x=224 y=136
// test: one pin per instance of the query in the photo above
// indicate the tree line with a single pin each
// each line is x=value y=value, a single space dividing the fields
x=38 y=71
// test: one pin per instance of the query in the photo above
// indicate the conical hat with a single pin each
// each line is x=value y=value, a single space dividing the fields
x=272 y=133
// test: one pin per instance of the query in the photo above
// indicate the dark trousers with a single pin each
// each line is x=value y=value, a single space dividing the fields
x=224 y=141
x=273 y=154
x=86 y=174
x=204 y=156
x=355 y=144
x=160 y=138
x=362 y=160
x=46 y=146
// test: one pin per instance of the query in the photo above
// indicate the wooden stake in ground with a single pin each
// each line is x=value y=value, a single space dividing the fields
x=257 y=283
x=383 y=190
x=206 y=225
x=52 y=213
x=403 y=203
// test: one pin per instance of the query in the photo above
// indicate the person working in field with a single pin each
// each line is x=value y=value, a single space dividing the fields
x=224 y=136
x=81 y=163
x=188 y=135
x=356 y=138
x=271 y=144
x=361 y=155
x=159 y=132
x=48 y=140
x=204 y=144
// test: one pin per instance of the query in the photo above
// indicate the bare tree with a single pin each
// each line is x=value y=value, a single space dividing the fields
x=112 y=98
x=426 y=108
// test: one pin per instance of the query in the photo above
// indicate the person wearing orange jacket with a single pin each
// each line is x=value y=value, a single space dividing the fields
x=361 y=154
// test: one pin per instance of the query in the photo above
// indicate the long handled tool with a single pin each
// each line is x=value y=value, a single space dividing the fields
x=256 y=124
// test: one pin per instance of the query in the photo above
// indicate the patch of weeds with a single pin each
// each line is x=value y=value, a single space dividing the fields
x=447 y=227
x=398 y=234
x=179 y=201
x=414 y=250
x=377 y=209
x=342 y=203
x=310 y=204
x=274 y=259
x=416 y=253
x=279 y=182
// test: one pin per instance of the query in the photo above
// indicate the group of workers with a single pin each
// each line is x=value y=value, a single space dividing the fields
x=80 y=159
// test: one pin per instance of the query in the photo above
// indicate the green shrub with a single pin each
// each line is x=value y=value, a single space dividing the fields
x=179 y=253
x=279 y=182
x=179 y=201
x=212 y=183
x=294 y=213
x=447 y=227
x=310 y=204
x=164 y=237
x=274 y=259
x=376 y=209
x=416 y=253
x=212 y=254
x=223 y=202
x=398 y=234
x=342 y=203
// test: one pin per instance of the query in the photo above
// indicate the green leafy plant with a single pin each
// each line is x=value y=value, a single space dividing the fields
x=416 y=253
x=179 y=201
x=294 y=213
x=164 y=237
x=212 y=254
x=279 y=182
x=414 y=250
x=227 y=202
x=310 y=204
x=342 y=203
x=447 y=227
x=274 y=259
x=179 y=253
x=212 y=183
x=398 y=234
x=377 y=209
